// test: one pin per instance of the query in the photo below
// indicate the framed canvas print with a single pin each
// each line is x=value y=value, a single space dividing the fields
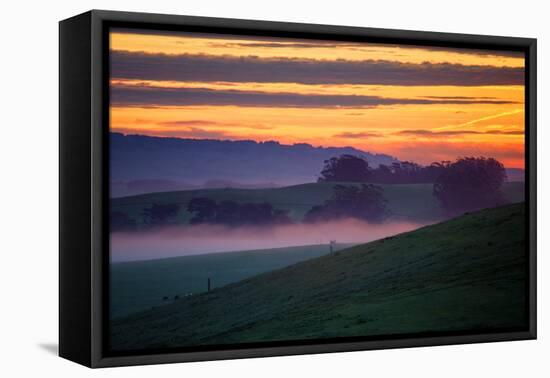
x=234 y=188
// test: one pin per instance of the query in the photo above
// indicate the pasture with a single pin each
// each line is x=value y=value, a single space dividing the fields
x=140 y=285
x=413 y=202
x=468 y=273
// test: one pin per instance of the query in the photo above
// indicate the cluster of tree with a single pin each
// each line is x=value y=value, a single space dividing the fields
x=120 y=221
x=407 y=172
x=346 y=168
x=351 y=168
x=470 y=184
x=160 y=214
x=365 y=202
x=231 y=213
x=154 y=216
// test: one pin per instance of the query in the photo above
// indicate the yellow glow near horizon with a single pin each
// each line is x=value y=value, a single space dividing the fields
x=422 y=132
x=325 y=127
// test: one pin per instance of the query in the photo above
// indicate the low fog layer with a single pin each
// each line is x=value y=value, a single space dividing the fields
x=203 y=239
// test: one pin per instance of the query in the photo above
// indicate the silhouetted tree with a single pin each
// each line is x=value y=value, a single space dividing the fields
x=345 y=168
x=470 y=183
x=256 y=213
x=204 y=210
x=434 y=170
x=365 y=202
x=281 y=216
x=228 y=212
x=406 y=172
x=350 y=168
x=159 y=215
x=232 y=213
x=383 y=175
x=119 y=221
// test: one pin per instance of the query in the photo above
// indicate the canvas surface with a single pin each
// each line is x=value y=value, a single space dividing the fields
x=278 y=190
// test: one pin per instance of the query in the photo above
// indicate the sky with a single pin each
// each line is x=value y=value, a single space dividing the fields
x=416 y=103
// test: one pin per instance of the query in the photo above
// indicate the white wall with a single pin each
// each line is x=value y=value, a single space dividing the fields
x=28 y=189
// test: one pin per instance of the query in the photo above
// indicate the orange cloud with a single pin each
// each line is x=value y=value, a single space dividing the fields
x=437 y=122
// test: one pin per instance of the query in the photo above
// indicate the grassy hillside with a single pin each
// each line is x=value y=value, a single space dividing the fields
x=140 y=285
x=464 y=274
x=410 y=201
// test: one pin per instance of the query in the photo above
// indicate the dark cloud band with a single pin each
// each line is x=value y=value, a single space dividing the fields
x=358 y=135
x=134 y=65
x=228 y=40
x=154 y=96
x=428 y=133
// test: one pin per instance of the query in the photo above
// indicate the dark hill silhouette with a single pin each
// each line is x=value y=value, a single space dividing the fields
x=196 y=161
x=515 y=174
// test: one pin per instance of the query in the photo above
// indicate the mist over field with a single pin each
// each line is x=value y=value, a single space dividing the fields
x=202 y=239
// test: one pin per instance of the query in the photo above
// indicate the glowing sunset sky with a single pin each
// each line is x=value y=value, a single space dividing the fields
x=422 y=104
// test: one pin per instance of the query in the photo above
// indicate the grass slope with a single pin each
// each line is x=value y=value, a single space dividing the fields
x=140 y=285
x=464 y=274
x=410 y=201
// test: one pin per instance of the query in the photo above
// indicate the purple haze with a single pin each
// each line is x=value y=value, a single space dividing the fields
x=203 y=239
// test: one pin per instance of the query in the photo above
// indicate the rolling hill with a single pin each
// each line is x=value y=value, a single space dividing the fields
x=140 y=285
x=405 y=201
x=196 y=161
x=468 y=273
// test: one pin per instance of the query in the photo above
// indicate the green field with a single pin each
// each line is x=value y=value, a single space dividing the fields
x=140 y=285
x=468 y=273
x=406 y=201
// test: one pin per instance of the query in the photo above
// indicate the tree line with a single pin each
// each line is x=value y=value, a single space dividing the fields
x=351 y=168
x=204 y=211
x=231 y=213
x=467 y=184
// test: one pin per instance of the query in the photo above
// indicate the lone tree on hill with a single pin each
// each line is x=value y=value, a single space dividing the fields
x=345 y=168
x=470 y=183
x=365 y=202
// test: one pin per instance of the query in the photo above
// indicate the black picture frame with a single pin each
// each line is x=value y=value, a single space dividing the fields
x=84 y=190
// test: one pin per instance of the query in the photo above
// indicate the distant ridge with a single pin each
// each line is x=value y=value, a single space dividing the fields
x=197 y=161
x=515 y=174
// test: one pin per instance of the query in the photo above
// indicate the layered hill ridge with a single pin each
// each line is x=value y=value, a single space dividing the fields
x=145 y=164
x=464 y=274
x=196 y=161
x=409 y=201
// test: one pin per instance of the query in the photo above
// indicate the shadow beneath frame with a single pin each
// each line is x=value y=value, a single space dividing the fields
x=52 y=348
